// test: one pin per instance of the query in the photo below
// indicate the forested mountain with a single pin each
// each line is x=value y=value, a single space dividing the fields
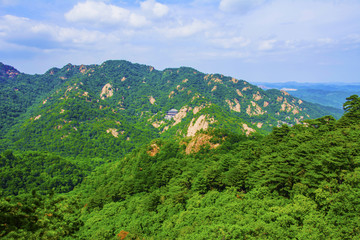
x=124 y=151
x=109 y=109
x=300 y=182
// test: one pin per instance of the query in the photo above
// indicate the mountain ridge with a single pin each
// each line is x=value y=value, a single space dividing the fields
x=118 y=101
x=124 y=151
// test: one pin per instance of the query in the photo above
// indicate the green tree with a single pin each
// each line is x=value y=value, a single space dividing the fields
x=352 y=110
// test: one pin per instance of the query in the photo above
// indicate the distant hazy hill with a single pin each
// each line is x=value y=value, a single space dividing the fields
x=108 y=109
x=333 y=95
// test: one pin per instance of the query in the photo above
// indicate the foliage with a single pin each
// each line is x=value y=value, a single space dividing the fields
x=66 y=111
x=41 y=172
x=297 y=182
x=352 y=109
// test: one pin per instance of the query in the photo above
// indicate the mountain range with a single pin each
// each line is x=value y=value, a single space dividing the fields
x=125 y=151
x=75 y=109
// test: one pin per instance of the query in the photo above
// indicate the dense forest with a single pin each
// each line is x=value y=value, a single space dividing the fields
x=90 y=152
x=297 y=182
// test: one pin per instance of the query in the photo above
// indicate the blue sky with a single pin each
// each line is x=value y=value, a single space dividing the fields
x=258 y=40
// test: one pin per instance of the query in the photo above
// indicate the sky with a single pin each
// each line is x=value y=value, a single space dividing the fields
x=258 y=40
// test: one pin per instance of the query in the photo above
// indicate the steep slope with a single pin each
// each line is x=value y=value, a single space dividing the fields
x=270 y=188
x=300 y=182
x=71 y=122
x=113 y=107
x=18 y=93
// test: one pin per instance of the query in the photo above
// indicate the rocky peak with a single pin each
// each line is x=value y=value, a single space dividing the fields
x=7 y=71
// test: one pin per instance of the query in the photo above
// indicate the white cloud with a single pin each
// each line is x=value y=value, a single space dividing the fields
x=267 y=45
x=13 y=27
x=102 y=13
x=239 y=6
x=187 y=30
x=154 y=8
x=10 y=22
x=91 y=11
x=27 y=32
x=137 y=20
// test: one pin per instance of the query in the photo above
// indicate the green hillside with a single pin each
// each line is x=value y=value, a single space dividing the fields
x=124 y=151
x=299 y=182
x=110 y=109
